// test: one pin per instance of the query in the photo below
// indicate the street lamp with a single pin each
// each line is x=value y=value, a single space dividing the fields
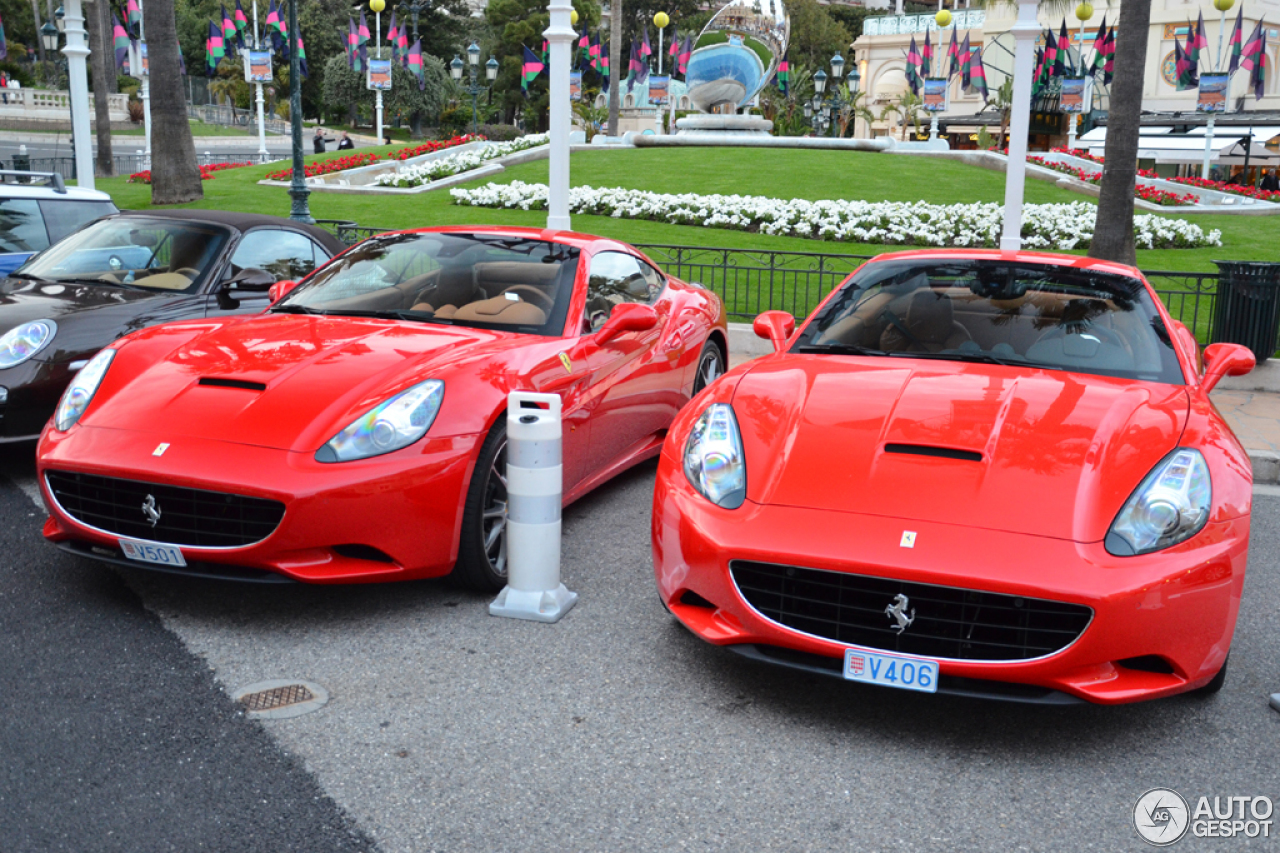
x=49 y=38
x=415 y=7
x=834 y=104
x=660 y=20
x=854 y=79
x=820 y=82
x=473 y=86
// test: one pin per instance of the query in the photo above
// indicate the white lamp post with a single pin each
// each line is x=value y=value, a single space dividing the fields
x=660 y=21
x=75 y=50
x=1024 y=30
x=1222 y=6
x=559 y=36
x=262 y=124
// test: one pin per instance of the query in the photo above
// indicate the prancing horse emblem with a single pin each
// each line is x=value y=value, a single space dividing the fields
x=152 y=512
x=897 y=610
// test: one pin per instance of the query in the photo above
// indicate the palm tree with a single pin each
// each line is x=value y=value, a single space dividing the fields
x=1003 y=101
x=175 y=176
x=852 y=108
x=909 y=104
x=892 y=109
x=98 y=23
x=1113 y=228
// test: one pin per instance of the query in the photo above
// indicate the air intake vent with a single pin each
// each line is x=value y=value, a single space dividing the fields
x=232 y=383
x=930 y=450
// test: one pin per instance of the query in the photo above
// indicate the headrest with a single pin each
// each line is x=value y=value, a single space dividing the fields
x=929 y=316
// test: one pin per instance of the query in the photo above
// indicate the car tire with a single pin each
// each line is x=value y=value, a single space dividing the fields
x=1215 y=683
x=710 y=366
x=482 y=545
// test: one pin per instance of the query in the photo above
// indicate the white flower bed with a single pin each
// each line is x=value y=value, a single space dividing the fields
x=1044 y=226
x=433 y=170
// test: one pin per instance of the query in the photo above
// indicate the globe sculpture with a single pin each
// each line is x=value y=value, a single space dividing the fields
x=736 y=54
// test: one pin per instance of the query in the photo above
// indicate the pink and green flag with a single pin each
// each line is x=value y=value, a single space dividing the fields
x=978 y=73
x=686 y=52
x=953 y=55
x=133 y=16
x=1236 y=46
x=229 y=31
x=120 y=38
x=242 y=20
x=529 y=70
x=414 y=64
x=926 y=58
x=913 y=67
x=784 y=74
x=646 y=50
x=214 y=49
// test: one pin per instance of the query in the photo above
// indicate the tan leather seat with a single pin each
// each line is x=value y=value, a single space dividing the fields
x=499 y=309
x=928 y=325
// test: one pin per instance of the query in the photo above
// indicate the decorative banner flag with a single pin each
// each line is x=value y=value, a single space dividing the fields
x=645 y=49
x=229 y=31
x=953 y=54
x=393 y=36
x=674 y=50
x=1099 y=42
x=978 y=73
x=415 y=64
x=133 y=17
x=279 y=30
x=302 y=57
x=529 y=70
x=1252 y=49
x=1065 y=65
x=1184 y=70
x=1109 y=58
x=584 y=48
x=355 y=51
x=402 y=44
x=4 y=45
x=686 y=52
x=242 y=21
x=965 y=64
x=214 y=50
x=1235 y=41
x=1258 y=73
x=595 y=53
x=926 y=58
x=784 y=74
x=546 y=52
x=120 y=36
x=1038 y=81
x=633 y=67
x=182 y=61
x=913 y=67
x=1197 y=42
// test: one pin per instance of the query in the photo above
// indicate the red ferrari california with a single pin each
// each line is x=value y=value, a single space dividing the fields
x=973 y=472
x=356 y=430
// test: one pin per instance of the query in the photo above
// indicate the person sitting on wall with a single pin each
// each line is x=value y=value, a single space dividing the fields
x=1270 y=183
x=345 y=143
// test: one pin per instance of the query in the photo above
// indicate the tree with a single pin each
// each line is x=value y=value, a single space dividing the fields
x=815 y=35
x=175 y=176
x=408 y=100
x=516 y=24
x=1113 y=228
x=342 y=85
x=852 y=108
x=102 y=60
x=1002 y=100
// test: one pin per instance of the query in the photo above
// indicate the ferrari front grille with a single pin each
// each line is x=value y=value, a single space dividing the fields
x=170 y=514
x=914 y=618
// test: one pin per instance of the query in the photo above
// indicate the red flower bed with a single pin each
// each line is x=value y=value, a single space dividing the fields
x=328 y=167
x=353 y=161
x=434 y=145
x=1234 y=189
x=1078 y=152
x=206 y=172
x=1142 y=191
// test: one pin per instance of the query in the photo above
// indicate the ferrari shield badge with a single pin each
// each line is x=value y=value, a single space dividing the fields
x=568 y=365
x=160 y=449
x=908 y=539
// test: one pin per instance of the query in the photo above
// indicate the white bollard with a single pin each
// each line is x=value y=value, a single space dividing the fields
x=535 y=480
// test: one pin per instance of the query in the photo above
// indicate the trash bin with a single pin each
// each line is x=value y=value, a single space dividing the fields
x=22 y=160
x=1247 y=308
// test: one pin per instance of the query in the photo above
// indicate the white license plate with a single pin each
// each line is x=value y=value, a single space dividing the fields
x=150 y=552
x=906 y=672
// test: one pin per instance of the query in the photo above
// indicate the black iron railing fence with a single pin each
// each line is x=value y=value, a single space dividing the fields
x=126 y=164
x=752 y=281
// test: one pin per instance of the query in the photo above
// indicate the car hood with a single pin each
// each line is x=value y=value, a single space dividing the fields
x=285 y=381
x=1048 y=453
x=23 y=300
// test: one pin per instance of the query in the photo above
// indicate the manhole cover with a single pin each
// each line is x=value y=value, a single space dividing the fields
x=281 y=698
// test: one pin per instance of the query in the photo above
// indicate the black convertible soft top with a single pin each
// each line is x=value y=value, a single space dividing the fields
x=243 y=222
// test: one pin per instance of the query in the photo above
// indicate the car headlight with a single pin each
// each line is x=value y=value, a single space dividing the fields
x=21 y=342
x=1168 y=507
x=81 y=390
x=397 y=423
x=713 y=459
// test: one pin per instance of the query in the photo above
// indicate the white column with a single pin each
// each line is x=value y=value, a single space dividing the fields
x=559 y=36
x=1024 y=30
x=75 y=51
x=1208 y=143
x=262 y=124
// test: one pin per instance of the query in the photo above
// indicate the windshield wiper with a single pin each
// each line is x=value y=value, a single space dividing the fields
x=979 y=358
x=107 y=282
x=295 y=309
x=392 y=314
x=840 y=349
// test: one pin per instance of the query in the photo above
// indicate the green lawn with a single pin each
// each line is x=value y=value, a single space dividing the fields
x=775 y=173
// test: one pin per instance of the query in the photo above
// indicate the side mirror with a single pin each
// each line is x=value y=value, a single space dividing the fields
x=627 y=317
x=1225 y=360
x=280 y=290
x=775 y=327
x=251 y=279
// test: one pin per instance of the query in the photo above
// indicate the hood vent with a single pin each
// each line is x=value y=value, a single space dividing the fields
x=930 y=450
x=232 y=383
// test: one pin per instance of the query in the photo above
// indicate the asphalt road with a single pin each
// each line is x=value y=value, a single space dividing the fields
x=612 y=730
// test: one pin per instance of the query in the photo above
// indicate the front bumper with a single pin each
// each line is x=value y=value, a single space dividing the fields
x=33 y=389
x=392 y=517
x=1177 y=607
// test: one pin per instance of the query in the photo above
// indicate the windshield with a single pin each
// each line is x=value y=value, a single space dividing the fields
x=989 y=311
x=29 y=225
x=484 y=280
x=154 y=254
